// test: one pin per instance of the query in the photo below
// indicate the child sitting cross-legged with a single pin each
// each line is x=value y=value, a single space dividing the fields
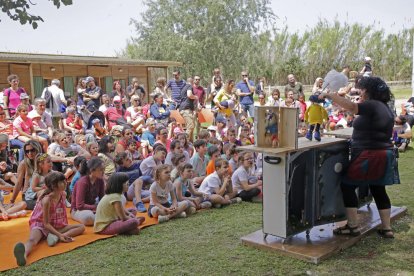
x=245 y=183
x=177 y=160
x=11 y=210
x=162 y=187
x=111 y=216
x=49 y=219
x=218 y=185
x=131 y=169
x=186 y=190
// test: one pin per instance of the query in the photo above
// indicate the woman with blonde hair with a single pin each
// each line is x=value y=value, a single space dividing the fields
x=317 y=86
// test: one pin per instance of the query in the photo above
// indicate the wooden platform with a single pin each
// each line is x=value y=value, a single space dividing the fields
x=321 y=243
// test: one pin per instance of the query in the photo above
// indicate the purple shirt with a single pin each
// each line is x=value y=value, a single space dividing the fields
x=85 y=193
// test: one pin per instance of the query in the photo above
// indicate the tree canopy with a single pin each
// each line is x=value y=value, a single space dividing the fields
x=18 y=10
x=242 y=34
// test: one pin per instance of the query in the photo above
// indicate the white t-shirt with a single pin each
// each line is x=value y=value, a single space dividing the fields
x=162 y=193
x=170 y=155
x=210 y=184
x=148 y=165
x=239 y=176
x=58 y=97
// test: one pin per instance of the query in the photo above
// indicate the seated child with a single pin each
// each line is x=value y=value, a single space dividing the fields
x=245 y=183
x=161 y=189
x=185 y=189
x=111 y=216
x=218 y=185
x=147 y=168
x=37 y=182
x=232 y=137
x=177 y=160
x=199 y=160
x=132 y=150
x=54 y=226
x=176 y=148
x=131 y=169
x=214 y=153
x=77 y=164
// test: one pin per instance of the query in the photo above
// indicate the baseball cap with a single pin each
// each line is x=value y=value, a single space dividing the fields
x=89 y=79
x=33 y=114
x=212 y=128
x=221 y=119
x=24 y=96
x=117 y=99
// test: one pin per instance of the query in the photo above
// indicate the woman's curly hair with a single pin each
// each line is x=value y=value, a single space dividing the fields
x=376 y=89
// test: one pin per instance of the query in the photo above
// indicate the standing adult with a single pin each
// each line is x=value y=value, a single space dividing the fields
x=81 y=89
x=260 y=89
x=135 y=89
x=372 y=159
x=176 y=85
x=245 y=90
x=213 y=89
x=200 y=92
x=54 y=97
x=188 y=106
x=117 y=90
x=93 y=93
x=227 y=96
x=294 y=86
x=45 y=125
x=160 y=89
x=11 y=96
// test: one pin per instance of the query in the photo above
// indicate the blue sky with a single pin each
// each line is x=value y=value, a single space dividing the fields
x=101 y=28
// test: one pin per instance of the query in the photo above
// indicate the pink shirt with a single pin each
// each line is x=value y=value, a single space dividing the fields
x=57 y=215
x=14 y=99
x=24 y=125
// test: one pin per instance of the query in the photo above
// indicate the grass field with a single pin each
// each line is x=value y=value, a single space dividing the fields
x=209 y=243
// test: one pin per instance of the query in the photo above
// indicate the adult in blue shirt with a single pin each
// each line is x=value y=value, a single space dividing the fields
x=245 y=89
x=149 y=134
x=176 y=85
x=159 y=110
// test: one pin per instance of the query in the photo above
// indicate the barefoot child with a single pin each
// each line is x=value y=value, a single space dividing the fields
x=12 y=210
x=160 y=190
x=49 y=219
x=111 y=216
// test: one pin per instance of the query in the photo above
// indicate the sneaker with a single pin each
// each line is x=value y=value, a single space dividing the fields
x=182 y=215
x=19 y=252
x=191 y=210
x=205 y=205
x=162 y=219
x=52 y=239
x=140 y=207
x=308 y=135
x=236 y=200
x=317 y=136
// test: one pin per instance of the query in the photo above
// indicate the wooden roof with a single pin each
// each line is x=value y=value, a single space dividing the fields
x=88 y=60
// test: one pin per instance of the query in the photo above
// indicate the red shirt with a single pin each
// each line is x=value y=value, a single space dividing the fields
x=200 y=93
x=112 y=114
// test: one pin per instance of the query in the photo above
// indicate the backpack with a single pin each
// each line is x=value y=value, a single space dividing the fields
x=48 y=98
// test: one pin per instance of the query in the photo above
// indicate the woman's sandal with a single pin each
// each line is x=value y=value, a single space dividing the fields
x=386 y=233
x=347 y=231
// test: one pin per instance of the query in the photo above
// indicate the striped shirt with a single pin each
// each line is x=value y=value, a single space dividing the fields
x=176 y=87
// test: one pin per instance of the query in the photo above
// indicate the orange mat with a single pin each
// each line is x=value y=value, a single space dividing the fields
x=17 y=230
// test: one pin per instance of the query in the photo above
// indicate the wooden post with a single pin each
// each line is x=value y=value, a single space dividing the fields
x=32 y=92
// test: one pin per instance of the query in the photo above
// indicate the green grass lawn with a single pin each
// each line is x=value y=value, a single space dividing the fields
x=209 y=243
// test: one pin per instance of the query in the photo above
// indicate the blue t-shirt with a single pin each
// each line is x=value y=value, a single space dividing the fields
x=74 y=180
x=133 y=172
x=245 y=89
x=148 y=136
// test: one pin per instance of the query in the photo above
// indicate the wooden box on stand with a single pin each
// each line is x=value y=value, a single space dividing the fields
x=276 y=127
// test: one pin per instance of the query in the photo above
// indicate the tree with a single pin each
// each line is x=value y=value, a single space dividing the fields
x=205 y=34
x=19 y=10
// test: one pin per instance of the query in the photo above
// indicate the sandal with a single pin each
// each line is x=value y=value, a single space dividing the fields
x=347 y=231
x=386 y=233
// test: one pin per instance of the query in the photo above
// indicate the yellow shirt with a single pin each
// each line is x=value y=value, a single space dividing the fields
x=223 y=96
x=315 y=114
x=105 y=212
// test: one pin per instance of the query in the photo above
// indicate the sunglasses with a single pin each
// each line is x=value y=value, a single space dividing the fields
x=244 y=75
x=27 y=151
x=196 y=79
x=117 y=102
x=165 y=134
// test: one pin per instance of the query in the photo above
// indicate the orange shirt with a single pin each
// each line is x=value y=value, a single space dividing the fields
x=211 y=168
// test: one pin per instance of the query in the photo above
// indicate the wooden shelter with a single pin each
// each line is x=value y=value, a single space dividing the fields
x=36 y=71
